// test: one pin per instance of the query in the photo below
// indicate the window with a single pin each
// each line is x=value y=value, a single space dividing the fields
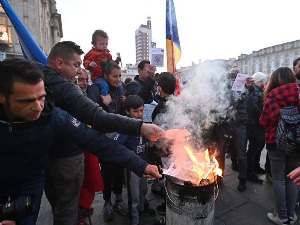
x=5 y=28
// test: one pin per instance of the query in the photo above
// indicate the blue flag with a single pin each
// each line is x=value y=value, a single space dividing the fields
x=30 y=48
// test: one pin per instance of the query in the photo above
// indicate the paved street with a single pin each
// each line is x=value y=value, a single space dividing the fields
x=232 y=207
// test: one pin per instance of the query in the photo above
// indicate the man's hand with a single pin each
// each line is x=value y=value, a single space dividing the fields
x=92 y=64
x=151 y=70
x=122 y=98
x=151 y=131
x=295 y=175
x=106 y=99
x=151 y=171
x=249 y=81
x=8 y=222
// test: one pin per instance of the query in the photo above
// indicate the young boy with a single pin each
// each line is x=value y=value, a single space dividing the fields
x=95 y=57
x=165 y=88
x=137 y=187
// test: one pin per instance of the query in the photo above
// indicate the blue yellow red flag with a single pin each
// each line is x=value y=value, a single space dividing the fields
x=30 y=48
x=172 y=42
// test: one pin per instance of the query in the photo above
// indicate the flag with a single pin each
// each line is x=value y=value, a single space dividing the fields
x=29 y=47
x=172 y=43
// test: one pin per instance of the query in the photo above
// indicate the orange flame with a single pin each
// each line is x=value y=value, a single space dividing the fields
x=205 y=169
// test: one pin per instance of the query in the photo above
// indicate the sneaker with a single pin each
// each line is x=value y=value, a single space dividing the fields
x=242 y=184
x=293 y=219
x=269 y=178
x=254 y=178
x=162 y=221
x=121 y=207
x=161 y=209
x=275 y=219
x=147 y=212
x=108 y=212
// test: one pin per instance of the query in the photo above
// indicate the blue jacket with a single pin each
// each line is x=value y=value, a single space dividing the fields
x=25 y=146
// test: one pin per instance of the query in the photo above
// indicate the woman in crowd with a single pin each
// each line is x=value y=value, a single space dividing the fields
x=113 y=174
x=281 y=91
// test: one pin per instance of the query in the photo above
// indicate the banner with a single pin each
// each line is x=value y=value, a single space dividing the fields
x=30 y=48
x=172 y=42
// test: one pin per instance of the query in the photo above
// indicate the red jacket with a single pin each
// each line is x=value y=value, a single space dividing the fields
x=96 y=56
x=285 y=95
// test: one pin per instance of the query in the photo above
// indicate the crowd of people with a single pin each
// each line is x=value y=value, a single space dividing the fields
x=71 y=139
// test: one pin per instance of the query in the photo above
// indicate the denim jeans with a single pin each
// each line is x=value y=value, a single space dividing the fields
x=35 y=190
x=285 y=190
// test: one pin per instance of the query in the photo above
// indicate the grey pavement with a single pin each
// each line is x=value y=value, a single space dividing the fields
x=231 y=207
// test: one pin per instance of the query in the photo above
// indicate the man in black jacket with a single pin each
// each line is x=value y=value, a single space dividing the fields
x=63 y=66
x=29 y=127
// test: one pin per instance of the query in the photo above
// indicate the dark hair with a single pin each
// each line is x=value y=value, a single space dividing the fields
x=98 y=33
x=21 y=70
x=295 y=62
x=127 y=80
x=141 y=65
x=281 y=76
x=167 y=82
x=64 y=50
x=108 y=66
x=133 y=102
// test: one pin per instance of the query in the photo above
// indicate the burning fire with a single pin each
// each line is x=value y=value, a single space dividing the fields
x=204 y=169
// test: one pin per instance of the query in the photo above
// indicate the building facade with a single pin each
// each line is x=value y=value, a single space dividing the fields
x=41 y=19
x=268 y=59
x=143 y=40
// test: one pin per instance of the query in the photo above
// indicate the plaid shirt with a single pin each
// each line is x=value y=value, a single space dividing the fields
x=285 y=95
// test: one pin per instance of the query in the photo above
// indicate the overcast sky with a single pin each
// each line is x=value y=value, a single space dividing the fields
x=211 y=29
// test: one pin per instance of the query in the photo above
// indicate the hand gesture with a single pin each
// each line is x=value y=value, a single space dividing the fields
x=151 y=171
x=151 y=131
x=151 y=70
x=123 y=98
x=106 y=99
x=295 y=175
x=92 y=64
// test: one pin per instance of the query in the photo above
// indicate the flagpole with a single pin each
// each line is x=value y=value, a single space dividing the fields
x=171 y=32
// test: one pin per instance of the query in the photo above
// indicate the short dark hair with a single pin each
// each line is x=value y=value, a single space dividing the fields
x=127 y=80
x=133 y=102
x=18 y=70
x=141 y=65
x=296 y=61
x=64 y=50
x=167 y=82
x=98 y=33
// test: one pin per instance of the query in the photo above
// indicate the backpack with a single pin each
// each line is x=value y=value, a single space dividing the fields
x=288 y=130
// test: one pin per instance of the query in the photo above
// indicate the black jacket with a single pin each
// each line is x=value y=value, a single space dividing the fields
x=25 y=146
x=143 y=89
x=69 y=97
x=94 y=92
x=255 y=104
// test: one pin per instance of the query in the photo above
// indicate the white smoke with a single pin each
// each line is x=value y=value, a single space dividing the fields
x=201 y=103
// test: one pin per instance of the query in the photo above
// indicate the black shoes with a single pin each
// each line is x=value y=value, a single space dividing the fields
x=242 y=184
x=260 y=170
x=254 y=178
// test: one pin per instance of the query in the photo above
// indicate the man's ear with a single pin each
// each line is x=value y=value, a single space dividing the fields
x=59 y=63
x=127 y=112
x=2 y=99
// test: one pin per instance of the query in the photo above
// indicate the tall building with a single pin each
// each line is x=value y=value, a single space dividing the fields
x=40 y=18
x=143 y=39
